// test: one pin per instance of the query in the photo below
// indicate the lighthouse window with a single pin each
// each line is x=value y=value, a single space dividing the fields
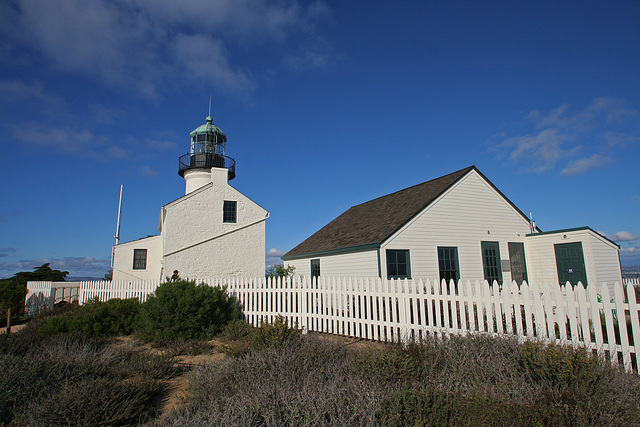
x=229 y=212
x=139 y=259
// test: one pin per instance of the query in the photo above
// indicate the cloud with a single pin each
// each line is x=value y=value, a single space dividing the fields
x=64 y=139
x=558 y=137
x=146 y=44
x=4 y=252
x=161 y=145
x=148 y=171
x=76 y=266
x=622 y=236
x=576 y=167
x=272 y=256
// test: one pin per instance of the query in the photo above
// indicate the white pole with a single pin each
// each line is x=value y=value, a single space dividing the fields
x=117 y=236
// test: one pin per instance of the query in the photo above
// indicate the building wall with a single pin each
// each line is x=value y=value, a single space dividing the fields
x=351 y=264
x=239 y=254
x=602 y=262
x=470 y=212
x=123 y=259
x=198 y=243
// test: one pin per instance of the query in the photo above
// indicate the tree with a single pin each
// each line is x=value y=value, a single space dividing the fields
x=14 y=289
x=279 y=270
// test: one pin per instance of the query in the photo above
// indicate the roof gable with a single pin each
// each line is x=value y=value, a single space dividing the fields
x=372 y=222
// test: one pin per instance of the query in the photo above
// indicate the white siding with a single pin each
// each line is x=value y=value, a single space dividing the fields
x=601 y=258
x=470 y=212
x=606 y=260
x=123 y=259
x=351 y=264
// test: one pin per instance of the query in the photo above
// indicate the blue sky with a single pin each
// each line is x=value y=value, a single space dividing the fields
x=326 y=104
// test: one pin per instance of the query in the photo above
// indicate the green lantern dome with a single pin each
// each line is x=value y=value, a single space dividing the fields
x=208 y=149
x=209 y=129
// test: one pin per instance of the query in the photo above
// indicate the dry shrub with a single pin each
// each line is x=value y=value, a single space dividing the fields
x=309 y=382
x=475 y=380
x=96 y=401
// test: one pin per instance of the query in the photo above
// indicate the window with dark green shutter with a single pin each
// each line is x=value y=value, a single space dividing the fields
x=398 y=266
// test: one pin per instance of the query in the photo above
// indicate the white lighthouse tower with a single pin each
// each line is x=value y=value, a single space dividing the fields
x=212 y=231
x=206 y=161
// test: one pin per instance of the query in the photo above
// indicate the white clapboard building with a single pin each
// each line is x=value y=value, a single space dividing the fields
x=458 y=226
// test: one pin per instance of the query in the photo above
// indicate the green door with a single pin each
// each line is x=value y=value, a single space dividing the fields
x=570 y=263
x=491 y=262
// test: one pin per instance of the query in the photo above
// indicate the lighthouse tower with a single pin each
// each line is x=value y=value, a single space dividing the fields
x=206 y=161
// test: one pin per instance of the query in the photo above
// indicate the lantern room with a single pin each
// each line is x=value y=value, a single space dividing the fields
x=208 y=150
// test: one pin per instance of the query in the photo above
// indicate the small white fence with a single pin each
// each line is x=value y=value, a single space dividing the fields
x=601 y=321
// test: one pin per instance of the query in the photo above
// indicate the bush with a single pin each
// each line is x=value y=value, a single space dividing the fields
x=310 y=382
x=184 y=310
x=274 y=334
x=96 y=401
x=102 y=319
x=237 y=330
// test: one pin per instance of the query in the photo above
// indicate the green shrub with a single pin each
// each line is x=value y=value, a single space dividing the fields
x=556 y=365
x=102 y=319
x=184 y=310
x=274 y=334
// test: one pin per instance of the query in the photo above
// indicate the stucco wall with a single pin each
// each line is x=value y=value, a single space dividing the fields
x=198 y=243
x=123 y=259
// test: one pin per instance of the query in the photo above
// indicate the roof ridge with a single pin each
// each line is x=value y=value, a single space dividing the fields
x=468 y=168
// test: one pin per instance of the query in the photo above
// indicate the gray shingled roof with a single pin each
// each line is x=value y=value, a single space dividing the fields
x=371 y=223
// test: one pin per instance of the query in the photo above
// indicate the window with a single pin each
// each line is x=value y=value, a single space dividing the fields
x=516 y=260
x=491 y=262
x=448 y=264
x=229 y=211
x=315 y=268
x=398 y=264
x=139 y=259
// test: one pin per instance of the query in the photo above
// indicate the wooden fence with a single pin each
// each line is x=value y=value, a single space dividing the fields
x=604 y=322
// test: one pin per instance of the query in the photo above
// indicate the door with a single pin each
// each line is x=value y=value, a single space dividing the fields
x=517 y=262
x=570 y=263
x=491 y=262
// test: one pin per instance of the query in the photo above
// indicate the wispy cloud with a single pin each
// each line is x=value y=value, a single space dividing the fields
x=148 y=171
x=65 y=139
x=144 y=45
x=622 y=236
x=581 y=140
x=576 y=167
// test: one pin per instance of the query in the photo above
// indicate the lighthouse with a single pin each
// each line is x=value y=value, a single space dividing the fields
x=207 y=160
x=212 y=231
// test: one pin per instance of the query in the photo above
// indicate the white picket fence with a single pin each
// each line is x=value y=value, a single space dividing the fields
x=399 y=310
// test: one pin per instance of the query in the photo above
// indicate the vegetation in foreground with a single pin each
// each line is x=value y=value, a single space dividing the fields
x=66 y=368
